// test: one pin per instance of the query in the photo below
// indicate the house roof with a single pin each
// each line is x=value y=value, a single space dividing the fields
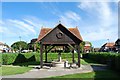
x=45 y=31
x=87 y=43
x=110 y=44
x=117 y=43
x=117 y=40
x=1 y=43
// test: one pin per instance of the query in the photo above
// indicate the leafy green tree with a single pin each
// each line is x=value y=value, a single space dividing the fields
x=19 y=45
x=34 y=46
x=82 y=44
x=90 y=44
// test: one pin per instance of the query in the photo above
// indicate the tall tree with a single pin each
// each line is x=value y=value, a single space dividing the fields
x=19 y=45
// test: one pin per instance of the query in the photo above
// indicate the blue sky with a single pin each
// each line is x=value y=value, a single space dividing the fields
x=96 y=21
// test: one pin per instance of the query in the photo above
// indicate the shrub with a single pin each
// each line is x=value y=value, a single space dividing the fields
x=111 y=59
x=10 y=58
x=31 y=59
x=117 y=63
x=20 y=59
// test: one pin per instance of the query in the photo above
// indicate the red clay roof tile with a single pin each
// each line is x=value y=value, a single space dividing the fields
x=45 y=31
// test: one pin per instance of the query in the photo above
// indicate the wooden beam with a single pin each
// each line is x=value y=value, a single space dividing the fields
x=50 y=48
x=78 y=50
x=47 y=48
x=41 y=55
x=45 y=53
x=72 y=47
x=73 y=56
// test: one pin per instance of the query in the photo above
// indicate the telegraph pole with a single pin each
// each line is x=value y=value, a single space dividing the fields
x=20 y=45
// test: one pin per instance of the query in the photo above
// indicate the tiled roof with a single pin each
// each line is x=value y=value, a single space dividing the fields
x=76 y=32
x=45 y=31
x=110 y=44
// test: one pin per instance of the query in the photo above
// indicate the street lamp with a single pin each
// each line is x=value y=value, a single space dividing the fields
x=20 y=45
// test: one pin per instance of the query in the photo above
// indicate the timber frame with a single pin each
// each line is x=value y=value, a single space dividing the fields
x=59 y=36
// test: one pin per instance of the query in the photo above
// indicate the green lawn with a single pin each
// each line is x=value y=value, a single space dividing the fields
x=95 y=75
x=10 y=70
x=0 y=70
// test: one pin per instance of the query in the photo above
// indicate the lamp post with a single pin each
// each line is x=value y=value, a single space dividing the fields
x=20 y=45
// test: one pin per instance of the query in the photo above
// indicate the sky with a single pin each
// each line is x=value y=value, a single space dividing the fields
x=96 y=21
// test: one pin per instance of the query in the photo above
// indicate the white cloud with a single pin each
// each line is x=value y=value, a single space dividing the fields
x=33 y=21
x=38 y=22
x=70 y=18
x=72 y=15
x=12 y=28
x=22 y=25
x=100 y=23
x=101 y=10
x=27 y=27
x=106 y=21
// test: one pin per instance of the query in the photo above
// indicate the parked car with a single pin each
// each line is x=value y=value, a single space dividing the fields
x=25 y=51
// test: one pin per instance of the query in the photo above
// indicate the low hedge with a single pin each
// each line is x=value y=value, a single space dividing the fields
x=11 y=58
x=117 y=62
x=111 y=59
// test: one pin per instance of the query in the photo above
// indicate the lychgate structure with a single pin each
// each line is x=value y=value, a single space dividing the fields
x=59 y=36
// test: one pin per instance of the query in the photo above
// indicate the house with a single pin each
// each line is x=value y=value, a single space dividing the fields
x=108 y=47
x=117 y=45
x=3 y=47
x=87 y=47
x=31 y=45
x=96 y=49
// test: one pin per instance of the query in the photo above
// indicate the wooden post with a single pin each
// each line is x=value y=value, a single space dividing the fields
x=78 y=50
x=45 y=54
x=73 y=56
x=41 y=55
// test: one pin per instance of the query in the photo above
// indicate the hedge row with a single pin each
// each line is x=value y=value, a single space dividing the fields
x=10 y=58
x=111 y=59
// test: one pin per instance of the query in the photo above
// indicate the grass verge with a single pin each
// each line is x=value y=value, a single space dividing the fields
x=95 y=75
x=12 y=70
